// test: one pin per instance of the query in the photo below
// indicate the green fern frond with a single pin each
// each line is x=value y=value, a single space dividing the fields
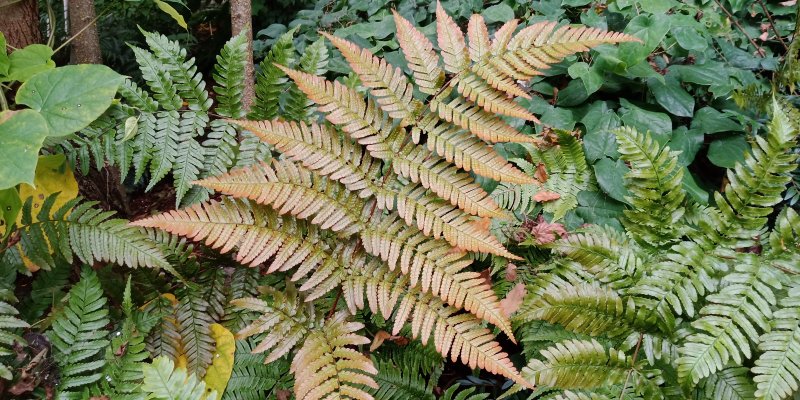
x=452 y=393
x=314 y=60
x=732 y=383
x=194 y=321
x=79 y=230
x=270 y=81
x=188 y=81
x=8 y=338
x=777 y=370
x=399 y=382
x=158 y=80
x=251 y=379
x=755 y=187
x=79 y=336
x=47 y=290
x=655 y=189
x=162 y=381
x=732 y=319
x=229 y=76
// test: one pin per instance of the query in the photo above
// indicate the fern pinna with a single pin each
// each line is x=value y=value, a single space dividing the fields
x=690 y=300
x=380 y=205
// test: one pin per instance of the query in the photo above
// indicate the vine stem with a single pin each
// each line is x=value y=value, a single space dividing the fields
x=633 y=365
x=759 y=50
x=772 y=24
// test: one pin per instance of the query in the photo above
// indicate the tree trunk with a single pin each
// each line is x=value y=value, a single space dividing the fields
x=86 y=42
x=242 y=20
x=19 y=22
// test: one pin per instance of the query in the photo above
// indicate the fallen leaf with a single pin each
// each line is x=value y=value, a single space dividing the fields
x=513 y=300
x=511 y=272
x=544 y=196
x=541 y=173
x=378 y=340
x=283 y=394
x=544 y=232
x=486 y=275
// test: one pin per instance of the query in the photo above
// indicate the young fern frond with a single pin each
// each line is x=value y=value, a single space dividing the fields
x=229 y=77
x=270 y=81
x=78 y=335
x=654 y=184
x=163 y=381
x=326 y=367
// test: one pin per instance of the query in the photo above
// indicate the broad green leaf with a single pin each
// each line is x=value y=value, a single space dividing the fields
x=689 y=38
x=172 y=12
x=658 y=124
x=710 y=121
x=21 y=136
x=726 y=152
x=597 y=208
x=70 y=98
x=219 y=372
x=688 y=142
x=498 y=13
x=591 y=78
x=651 y=29
x=10 y=204
x=27 y=62
x=610 y=174
x=599 y=142
x=691 y=188
x=670 y=95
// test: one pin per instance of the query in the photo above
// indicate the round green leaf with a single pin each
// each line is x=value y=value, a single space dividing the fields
x=21 y=136
x=498 y=13
x=727 y=151
x=70 y=98
x=29 y=61
x=610 y=176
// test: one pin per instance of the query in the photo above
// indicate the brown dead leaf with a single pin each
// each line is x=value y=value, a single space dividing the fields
x=541 y=173
x=545 y=232
x=513 y=300
x=545 y=196
x=378 y=340
x=511 y=272
x=486 y=275
x=283 y=394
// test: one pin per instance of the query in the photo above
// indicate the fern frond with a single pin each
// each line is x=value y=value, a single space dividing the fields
x=158 y=80
x=79 y=229
x=655 y=187
x=732 y=383
x=399 y=382
x=292 y=189
x=325 y=367
x=586 y=309
x=188 y=81
x=418 y=51
x=163 y=381
x=364 y=122
x=251 y=379
x=194 y=321
x=314 y=60
x=270 y=81
x=8 y=339
x=79 y=336
x=732 y=319
x=755 y=187
x=229 y=77
x=163 y=140
x=777 y=370
x=283 y=319
x=452 y=393
x=478 y=121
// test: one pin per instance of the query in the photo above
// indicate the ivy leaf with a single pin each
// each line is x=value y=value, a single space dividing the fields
x=70 y=98
x=651 y=29
x=670 y=95
x=658 y=124
x=592 y=80
x=610 y=175
x=689 y=38
x=691 y=188
x=726 y=152
x=21 y=136
x=710 y=120
x=688 y=142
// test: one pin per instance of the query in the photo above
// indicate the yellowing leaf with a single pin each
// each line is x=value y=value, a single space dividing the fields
x=53 y=175
x=219 y=372
x=172 y=12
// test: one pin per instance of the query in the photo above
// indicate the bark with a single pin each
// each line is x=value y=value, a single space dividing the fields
x=19 y=22
x=85 y=48
x=242 y=20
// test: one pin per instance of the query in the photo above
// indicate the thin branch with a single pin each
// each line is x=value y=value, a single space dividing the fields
x=92 y=22
x=759 y=50
x=772 y=24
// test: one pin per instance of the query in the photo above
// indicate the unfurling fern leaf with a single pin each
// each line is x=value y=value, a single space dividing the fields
x=383 y=205
x=79 y=336
x=325 y=367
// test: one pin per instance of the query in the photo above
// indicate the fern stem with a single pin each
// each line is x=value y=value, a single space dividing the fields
x=633 y=365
